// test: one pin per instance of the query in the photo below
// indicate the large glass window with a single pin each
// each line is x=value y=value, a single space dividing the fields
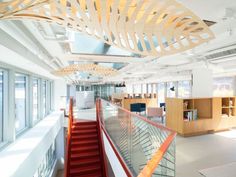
x=1 y=106
x=44 y=94
x=171 y=89
x=144 y=88
x=51 y=97
x=129 y=88
x=184 y=89
x=223 y=86
x=149 y=88
x=35 y=99
x=154 y=88
x=137 y=88
x=161 y=93
x=20 y=102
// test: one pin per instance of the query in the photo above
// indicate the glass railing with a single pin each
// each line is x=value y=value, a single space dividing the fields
x=146 y=148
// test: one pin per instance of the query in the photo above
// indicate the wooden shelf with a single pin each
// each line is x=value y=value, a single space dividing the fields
x=188 y=110
x=210 y=113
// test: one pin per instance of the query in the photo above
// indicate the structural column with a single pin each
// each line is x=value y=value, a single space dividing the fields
x=202 y=82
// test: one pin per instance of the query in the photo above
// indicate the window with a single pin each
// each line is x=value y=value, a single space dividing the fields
x=44 y=93
x=1 y=106
x=47 y=163
x=51 y=95
x=137 y=88
x=223 y=86
x=149 y=88
x=154 y=88
x=161 y=93
x=184 y=89
x=35 y=99
x=20 y=102
x=129 y=88
x=144 y=87
x=171 y=89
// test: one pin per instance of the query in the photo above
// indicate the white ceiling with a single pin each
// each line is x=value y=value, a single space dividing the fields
x=54 y=45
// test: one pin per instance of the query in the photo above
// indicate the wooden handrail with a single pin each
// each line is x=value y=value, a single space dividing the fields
x=101 y=142
x=68 y=144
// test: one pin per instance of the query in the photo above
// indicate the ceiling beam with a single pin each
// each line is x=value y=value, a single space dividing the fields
x=12 y=44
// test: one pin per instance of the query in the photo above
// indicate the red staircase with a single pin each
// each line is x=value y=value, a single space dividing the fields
x=85 y=152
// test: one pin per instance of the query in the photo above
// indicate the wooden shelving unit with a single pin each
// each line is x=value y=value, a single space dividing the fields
x=228 y=107
x=212 y=114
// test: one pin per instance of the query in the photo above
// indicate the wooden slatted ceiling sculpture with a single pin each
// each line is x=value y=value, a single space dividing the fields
x=146 y=27
x=94 y=69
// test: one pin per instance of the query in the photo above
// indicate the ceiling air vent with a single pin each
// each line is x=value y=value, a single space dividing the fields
x=221 y=54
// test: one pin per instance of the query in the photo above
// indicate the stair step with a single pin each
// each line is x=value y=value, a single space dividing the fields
x=84 y=131
x=85 y=142
x=86 y=170
x=79 y=149
x=81 y=137
x=85 y=155
x=91 y=174
x=94 y=174
x=82 y=162
x=85 y=123
x=82 y=127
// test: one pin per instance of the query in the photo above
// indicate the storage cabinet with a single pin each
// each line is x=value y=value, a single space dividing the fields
x=194 y=116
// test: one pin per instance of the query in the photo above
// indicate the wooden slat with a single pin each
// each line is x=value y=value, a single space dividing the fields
x=127 y=24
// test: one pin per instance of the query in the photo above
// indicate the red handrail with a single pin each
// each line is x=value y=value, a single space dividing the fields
x=153 y=163
x=101 y=142
x=101 y=128
x=68 y=152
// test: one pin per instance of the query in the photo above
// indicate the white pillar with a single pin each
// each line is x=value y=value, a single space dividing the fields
x=59 y=93
x=202 y=83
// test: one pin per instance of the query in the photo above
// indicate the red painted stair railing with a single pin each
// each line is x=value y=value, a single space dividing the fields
x=125 y=131
x=85 y=155
x=68 y=153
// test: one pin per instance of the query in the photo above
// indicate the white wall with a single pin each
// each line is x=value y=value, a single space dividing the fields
x=115 y=163
x=23 y=157
x=202 y=83
x=59 y=91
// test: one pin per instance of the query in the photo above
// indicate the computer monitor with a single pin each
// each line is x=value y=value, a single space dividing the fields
x=163 y=105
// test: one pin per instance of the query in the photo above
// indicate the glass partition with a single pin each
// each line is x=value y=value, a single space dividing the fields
x=139 y=140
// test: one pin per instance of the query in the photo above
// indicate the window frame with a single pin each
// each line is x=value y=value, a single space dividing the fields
x=38 y=100
x=4 y=108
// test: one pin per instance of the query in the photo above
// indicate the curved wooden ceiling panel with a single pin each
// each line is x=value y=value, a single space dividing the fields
x=146 y=27
x=93 y=69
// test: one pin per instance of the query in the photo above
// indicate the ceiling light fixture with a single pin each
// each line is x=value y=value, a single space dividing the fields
x=153 y=27
x=93 y=69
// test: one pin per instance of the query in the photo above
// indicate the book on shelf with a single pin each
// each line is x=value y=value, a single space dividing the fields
x=190 y=115
x=195 y=114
